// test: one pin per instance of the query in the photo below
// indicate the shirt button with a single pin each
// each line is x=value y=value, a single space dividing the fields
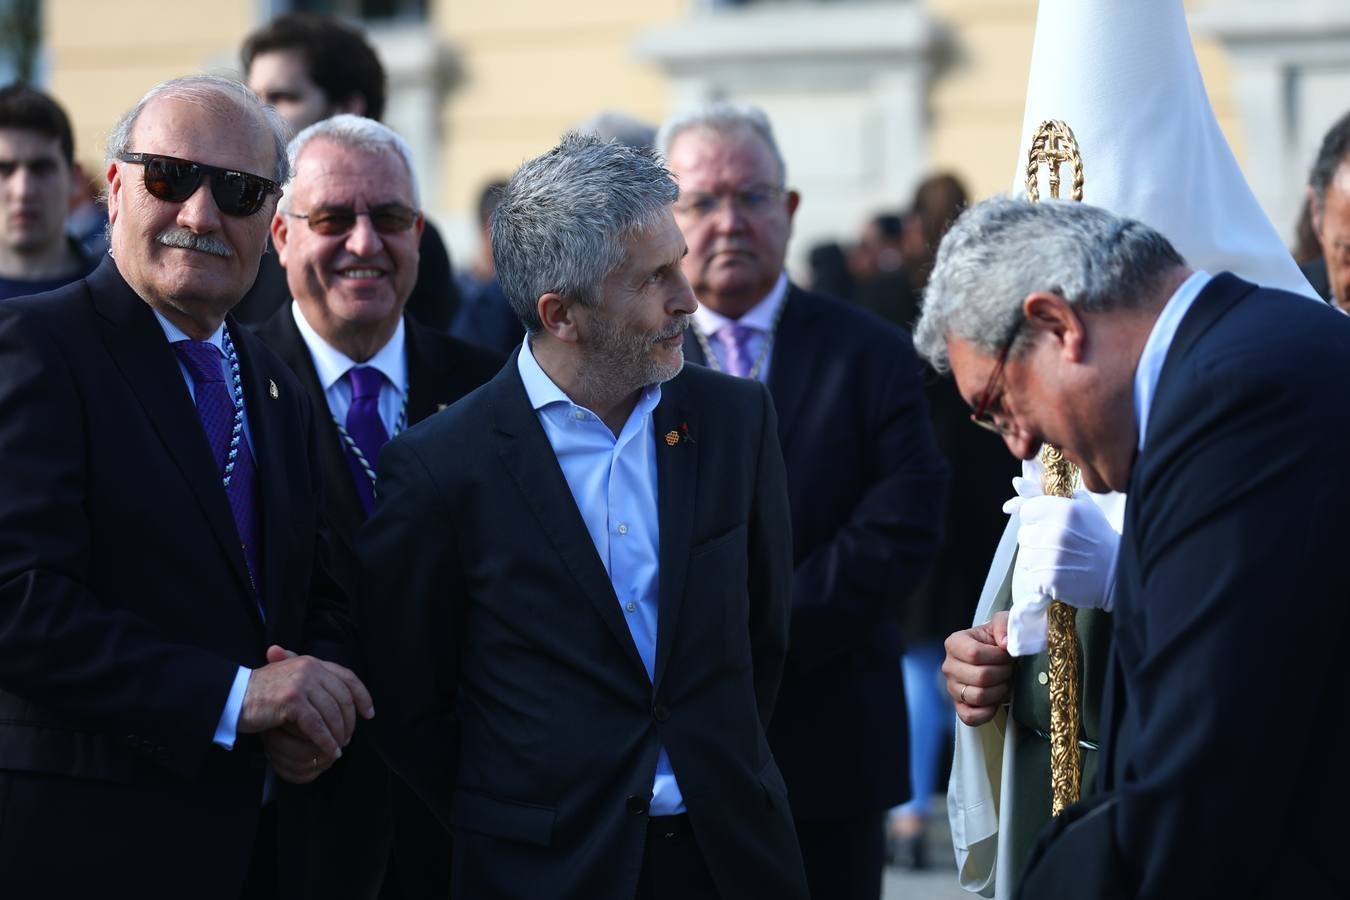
x=631 y=607
x=623 y=529
x=578 y=415
x=1043 y=678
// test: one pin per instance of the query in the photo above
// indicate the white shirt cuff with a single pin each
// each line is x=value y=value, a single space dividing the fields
x=234 y=704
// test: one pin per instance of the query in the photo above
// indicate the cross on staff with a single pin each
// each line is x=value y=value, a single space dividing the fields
x=1054 y=145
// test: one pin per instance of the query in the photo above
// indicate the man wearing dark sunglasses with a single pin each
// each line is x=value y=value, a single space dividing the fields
x=162 y=554
x=347 y=235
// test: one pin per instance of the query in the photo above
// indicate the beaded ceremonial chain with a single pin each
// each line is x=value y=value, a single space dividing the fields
x=399 y=425
x=237 y=388
x=763 y=354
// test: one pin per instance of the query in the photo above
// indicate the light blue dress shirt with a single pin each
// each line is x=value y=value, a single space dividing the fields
x=613 y=481
x=227 y=727
x=1149 y=369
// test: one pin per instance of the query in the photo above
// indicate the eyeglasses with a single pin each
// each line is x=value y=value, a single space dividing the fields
x=333 y=221
x=981 y=416
x=174 y=180
x=754 y=201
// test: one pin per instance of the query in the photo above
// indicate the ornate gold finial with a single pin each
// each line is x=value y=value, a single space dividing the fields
x=1052 y=145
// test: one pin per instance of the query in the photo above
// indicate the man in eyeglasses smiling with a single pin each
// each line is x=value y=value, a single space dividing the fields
x=347 y=235
x=162 y=555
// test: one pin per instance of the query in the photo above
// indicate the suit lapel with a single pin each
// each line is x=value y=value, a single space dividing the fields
x=282 y=335
x=796 y=352
x=140 y=351
x=272 y=434
x=676 y=479
x=532 y=464
x=428 y=376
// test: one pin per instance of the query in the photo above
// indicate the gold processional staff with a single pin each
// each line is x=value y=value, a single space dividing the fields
x=1052 y=145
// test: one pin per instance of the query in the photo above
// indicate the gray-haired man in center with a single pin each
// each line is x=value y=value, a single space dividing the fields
x=576 y=578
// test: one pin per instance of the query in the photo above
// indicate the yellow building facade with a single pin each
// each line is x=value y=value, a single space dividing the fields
x=525 y=70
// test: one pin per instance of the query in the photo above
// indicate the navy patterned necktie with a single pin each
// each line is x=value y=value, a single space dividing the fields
x=215 y=407
x=366 y=429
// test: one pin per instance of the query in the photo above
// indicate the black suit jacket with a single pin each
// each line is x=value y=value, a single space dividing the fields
x=341 y=828
x=1223 y=756
x=441 y=369
x=125 y=602
x=510 y=693
x=866 y=485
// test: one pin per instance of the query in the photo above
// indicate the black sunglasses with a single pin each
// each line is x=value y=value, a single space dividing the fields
x=174 y=180
x=332 y=221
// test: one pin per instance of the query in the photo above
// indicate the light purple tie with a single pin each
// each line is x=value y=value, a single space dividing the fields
x=735 y=339
x=215 y=407
x=366 y=428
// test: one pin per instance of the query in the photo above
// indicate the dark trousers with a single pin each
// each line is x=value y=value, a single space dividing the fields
x=672 y=864
x=844 y=857
x=264 y=878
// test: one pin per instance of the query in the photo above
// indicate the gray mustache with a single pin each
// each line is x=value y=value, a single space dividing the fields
x=186 y=240
x=675 y=329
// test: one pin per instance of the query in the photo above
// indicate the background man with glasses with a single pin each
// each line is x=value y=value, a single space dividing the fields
x=865 y=480
x=162 y=555
x=347 y=235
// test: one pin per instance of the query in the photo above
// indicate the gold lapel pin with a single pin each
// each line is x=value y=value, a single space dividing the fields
x=672 y=438
x=272 y=389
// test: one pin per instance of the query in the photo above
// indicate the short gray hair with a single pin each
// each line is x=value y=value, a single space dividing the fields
x=1002 y=250
x=563 y=219
x=354 y=133
x=723 y=119
x=205 y=90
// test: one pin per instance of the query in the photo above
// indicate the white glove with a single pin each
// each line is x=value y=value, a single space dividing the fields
x=1026 y=485
x=1066 y=551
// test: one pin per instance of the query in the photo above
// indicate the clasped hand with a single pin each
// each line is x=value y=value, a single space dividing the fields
x=306 y=711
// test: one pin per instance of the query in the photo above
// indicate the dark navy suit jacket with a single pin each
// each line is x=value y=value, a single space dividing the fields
x=866 y=486
x=509 y=692
x=125 y=601
x=1225 y=729
x=341 y=827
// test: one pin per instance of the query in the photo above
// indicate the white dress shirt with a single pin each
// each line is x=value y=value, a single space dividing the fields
x=332 y=365
x=1149 y=369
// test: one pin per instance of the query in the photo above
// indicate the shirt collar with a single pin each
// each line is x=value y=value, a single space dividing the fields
x=1151 y=361
x=176 y=334
x=332 y=364
x=543 y=391
x=759 y=317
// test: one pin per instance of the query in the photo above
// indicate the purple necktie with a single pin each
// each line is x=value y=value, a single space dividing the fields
x=215 y=407
x=366 y=429
x=736 y=339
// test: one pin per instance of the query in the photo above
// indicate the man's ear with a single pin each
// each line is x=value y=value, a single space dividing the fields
x=1314 y=213
x=1050 y=313
x=114 y=176
x=557 y=314
x=281 y=232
